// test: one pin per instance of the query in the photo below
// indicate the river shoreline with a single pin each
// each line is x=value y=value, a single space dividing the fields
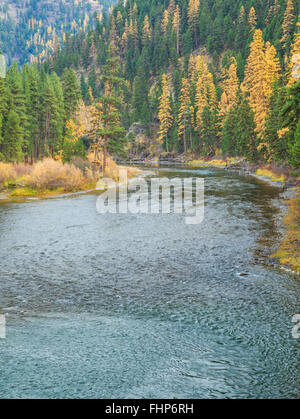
x=290 y=193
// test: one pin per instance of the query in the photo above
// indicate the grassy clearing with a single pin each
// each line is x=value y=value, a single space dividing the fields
x=214 y=162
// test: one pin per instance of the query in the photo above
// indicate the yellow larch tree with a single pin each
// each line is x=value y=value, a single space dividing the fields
x=186 y=112
x=176 y=26
x=201 y=100
x=272 y=68
x=192 y=68
x=242 y=14
x=211 y=92
x=287 y=21
x=252 y=19
x=119 y=21
x=230 y=87
x=262 y=69
x=165 y=21
x=205 y=89
x=124 y=39
x=223 y=108
x=165 y=112
x=147 y=31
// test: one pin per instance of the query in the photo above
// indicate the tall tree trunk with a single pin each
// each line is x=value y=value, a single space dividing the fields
x=104 y=154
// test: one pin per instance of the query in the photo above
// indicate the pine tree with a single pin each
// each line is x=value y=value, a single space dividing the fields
x=165 y=112
x=13 y=138
x=71 y=92
x=31 y=81
x=107 y=115
x=73 y=145
x=295 y=151
x=209 y=131
x=176 y=27
x=291 y=114
x=140 y=99
x=275 y=135
x=16 y=97
x=238 y=134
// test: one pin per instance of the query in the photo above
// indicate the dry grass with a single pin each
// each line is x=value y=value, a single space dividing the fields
x=212 y=162
x=7 y=173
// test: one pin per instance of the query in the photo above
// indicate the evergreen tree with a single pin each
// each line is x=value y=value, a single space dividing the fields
x=71 y=92
x=13 y=138
x=295 y=151
x=108 y=108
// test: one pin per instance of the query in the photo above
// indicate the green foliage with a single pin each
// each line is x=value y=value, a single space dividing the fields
x=43 y=100
x=73 y=148
x=295 y=151
x=34 y=107
x=239 y=137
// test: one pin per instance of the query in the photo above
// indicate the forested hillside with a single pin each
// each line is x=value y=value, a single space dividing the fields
x=205 y=77
x=32 y=29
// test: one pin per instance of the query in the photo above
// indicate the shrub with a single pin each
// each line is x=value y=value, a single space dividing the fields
x=7 y=173
x=51 y=174
x=22 y=169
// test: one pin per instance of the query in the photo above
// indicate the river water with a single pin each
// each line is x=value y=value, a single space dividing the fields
x=145 y=306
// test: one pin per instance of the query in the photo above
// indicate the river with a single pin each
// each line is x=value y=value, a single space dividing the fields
x=145 y=306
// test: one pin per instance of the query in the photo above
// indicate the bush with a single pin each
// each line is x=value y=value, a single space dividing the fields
x=22 y=169
x=51 y=174
x=7 y=173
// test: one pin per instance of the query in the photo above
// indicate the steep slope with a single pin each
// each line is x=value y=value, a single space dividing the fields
x=31 y=29
x=221 y=59
x=210 y=77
